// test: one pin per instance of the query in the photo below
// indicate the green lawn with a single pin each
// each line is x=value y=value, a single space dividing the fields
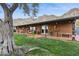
x=55 y=47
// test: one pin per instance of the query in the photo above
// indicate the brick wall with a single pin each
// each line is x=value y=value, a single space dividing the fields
x=60 y=29
x=55 y=29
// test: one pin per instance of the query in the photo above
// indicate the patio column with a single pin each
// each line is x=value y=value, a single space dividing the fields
x=73 y=29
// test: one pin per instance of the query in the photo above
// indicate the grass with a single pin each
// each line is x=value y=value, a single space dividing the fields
x=55 y=47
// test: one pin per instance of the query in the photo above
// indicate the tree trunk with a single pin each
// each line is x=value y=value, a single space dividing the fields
x=7 y=35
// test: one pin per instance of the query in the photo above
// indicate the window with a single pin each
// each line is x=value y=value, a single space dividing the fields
x=44 y=29
x=32 y=29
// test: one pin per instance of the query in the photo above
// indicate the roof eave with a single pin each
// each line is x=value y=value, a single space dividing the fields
x=54 y=20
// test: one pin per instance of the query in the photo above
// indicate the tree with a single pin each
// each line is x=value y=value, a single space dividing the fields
x=6 y=39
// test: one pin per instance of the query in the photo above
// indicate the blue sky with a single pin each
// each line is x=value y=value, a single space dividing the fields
x=45 y=9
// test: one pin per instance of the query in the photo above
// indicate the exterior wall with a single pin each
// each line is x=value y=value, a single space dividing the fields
x=22 y=29
x=25 y=29
x=55 y=29
x=60 y=29
x=38 y=29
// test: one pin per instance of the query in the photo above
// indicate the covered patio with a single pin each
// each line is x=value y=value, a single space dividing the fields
x=50 y=26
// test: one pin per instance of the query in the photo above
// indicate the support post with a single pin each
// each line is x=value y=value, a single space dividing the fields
x=73 y=29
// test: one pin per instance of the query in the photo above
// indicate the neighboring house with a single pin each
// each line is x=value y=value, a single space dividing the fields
x=62 y=27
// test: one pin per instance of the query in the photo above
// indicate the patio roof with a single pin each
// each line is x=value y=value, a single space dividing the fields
x=72 y=14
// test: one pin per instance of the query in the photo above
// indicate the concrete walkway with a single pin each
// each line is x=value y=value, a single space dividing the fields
x=51 y=37
x=77 y=37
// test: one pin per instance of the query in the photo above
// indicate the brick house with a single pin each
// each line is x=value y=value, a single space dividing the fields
x=50 y=26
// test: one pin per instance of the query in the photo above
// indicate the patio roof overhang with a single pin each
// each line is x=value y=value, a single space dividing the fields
x=57 y=20
x=53 y=20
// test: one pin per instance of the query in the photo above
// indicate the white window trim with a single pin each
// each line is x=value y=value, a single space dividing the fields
x=32 y=28
x=44 y=27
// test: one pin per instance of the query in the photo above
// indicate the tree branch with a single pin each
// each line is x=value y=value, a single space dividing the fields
x=14 y=6
x=4 y=6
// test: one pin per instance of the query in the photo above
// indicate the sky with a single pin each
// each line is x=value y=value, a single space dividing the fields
x=45 y=9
